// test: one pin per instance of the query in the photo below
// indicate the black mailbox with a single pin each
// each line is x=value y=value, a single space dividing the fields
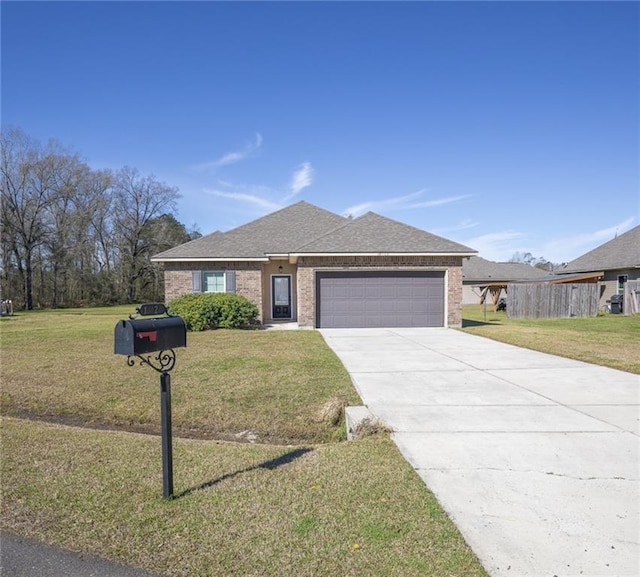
x=142 y=336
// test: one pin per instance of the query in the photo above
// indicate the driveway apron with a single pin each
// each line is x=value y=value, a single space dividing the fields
x=536 y=458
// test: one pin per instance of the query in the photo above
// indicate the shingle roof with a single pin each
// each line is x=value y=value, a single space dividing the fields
x=303 y=228
x=274 y=233
x=478 y=269
x=197 y=248
x=372 y=233
x=619 y=253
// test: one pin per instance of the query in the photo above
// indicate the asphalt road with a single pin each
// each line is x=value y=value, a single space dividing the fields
x=20 y=557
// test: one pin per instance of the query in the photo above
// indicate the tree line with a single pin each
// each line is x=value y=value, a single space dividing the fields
x=537 y=262
x=73 y=236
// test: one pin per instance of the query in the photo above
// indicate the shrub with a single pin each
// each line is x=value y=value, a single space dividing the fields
x=214 y=310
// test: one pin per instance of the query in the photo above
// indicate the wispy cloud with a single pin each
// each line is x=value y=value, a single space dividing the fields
x=439 y=201
x=248 y=198
x=462 y=225
x=233 y=157
x=498 y=246
x=262 y=196
x=301 y=179
x=394 y=203
x=502 y=245
x=569 y=248
x=408 y=201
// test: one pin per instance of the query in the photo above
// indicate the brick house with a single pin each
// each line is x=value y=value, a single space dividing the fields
x=309 y=265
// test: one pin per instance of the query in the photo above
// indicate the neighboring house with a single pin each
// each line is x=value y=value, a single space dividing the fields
x=309 y=265
x=618 y=261
x=482 y=278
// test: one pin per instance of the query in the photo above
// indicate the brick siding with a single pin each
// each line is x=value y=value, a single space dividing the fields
x=307 y=267
x=249 y=281
x=178 y=278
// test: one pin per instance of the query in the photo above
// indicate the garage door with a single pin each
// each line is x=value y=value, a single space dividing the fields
x=379 y=299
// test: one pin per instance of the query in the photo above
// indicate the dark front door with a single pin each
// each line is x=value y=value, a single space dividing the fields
x=281 y=297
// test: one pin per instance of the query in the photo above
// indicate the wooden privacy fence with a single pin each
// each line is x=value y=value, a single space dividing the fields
x=632 y=297
x=548 y=301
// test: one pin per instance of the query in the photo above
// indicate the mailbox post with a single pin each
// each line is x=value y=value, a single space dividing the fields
x=167 y=439
x=139 y=337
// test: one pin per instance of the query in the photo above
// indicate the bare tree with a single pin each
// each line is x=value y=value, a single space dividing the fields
x=528 y=258
x=99 y=207
x=70 y=235
x=67 y=235
x=28 y=191
x=137 y=201
x=161 y=233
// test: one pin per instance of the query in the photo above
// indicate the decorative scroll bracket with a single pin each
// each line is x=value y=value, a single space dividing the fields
x=162 y=363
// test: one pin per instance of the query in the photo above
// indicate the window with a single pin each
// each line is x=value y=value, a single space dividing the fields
x=622 y=279
x=222 y=281
x=213 y=282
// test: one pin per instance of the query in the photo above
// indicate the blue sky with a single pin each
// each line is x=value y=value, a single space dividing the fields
x=507 y=126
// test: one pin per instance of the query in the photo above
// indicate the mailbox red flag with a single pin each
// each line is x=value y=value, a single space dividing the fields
x=151 y=335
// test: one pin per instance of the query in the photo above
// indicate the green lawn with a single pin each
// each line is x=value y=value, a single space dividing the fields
x=607 y=340
x=310 y=507
x=352 y=508
x=59 y=365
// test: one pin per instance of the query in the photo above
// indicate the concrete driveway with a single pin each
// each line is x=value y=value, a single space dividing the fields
x=534 y=457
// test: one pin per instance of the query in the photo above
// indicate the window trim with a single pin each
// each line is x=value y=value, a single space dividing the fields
x=620 y=285
x=214 y=272
x=198 y=281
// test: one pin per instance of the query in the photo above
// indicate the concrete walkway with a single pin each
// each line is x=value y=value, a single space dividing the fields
x=536 y=458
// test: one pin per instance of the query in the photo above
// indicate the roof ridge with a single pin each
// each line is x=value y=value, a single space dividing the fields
x=348 y=222
x=305 y=228
x=403 y=231
x=351 y=221
x=404 y=224
x=271 y=215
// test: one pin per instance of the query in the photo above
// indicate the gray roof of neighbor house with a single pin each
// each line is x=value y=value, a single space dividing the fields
x=619 y=253
x=303 y=228
x=480 y=270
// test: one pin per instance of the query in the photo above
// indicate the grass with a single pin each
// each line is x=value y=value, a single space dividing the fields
x=607 y=340
x=313 y=507
x=59 y=365
x=309 y=508
x=331 y=509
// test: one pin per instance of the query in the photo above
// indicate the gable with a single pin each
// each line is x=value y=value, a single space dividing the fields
x=279 y=232
x=275 y=233
x=372 y=233
x=304 y=229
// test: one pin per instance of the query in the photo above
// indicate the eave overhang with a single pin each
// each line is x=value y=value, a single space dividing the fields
x=330 y=254
x=211 y=259
x=569 y=278
x=294 y=256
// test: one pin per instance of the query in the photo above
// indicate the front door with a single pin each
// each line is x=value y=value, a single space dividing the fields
x=281 y=297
